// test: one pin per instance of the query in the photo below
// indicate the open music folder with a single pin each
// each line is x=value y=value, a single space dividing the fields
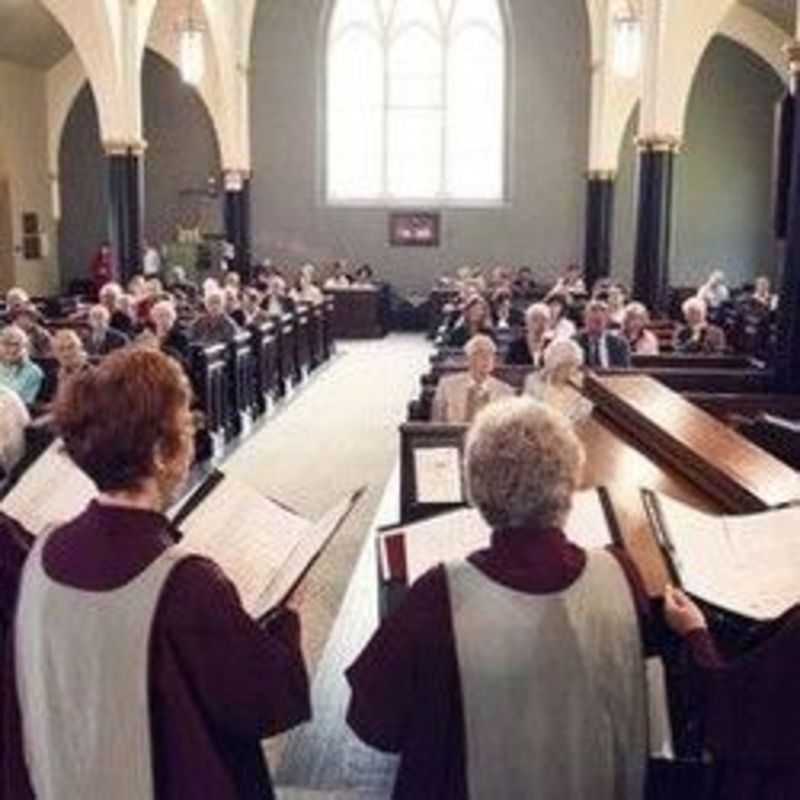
x=409 y=551
x=747 y=564
x=263 y=547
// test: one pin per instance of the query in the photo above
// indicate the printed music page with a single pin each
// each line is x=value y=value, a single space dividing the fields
x=306 y=549
x=746 y=564
x=438 y=474
x=452 y=536
x=249 y=536
x=52 y=491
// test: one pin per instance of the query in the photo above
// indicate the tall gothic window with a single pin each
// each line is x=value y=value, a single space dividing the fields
x=415 y=101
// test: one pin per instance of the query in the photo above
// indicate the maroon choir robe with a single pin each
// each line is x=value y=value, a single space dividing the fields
x=406 y=691
x=219 y=683
x=752 y=713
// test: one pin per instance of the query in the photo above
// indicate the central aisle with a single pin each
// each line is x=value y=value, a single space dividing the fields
x=338 y=433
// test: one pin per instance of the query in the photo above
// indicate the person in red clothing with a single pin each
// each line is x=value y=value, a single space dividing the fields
x=752 y=704
x=517 y=673
x=101 y=269
x=134 y=671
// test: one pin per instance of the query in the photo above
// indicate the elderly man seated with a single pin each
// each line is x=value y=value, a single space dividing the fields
x=215 y=326
x=459 y=397
x=698 y=335
x=519 y=672
x=103 y=339
x=17 y=371
x=601 y=348
x=171 y=339
x=538 y=334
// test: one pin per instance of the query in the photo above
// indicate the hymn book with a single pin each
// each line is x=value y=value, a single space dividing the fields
x=261 y=545
x=747 y=564
x=52 y=491
x=408 y=552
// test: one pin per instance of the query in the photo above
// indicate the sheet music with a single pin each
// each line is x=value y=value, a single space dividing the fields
x=249 y=536
x=52 y=491
x=449 y=537
x=438 y=474
x=747 y=564
x=303 y=553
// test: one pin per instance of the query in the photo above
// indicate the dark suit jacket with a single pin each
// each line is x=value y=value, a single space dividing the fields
x=619 y=351
x=113 y=340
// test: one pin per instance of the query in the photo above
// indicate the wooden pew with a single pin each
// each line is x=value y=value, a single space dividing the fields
x=241 y=367
x=265 y=352
x=287 y=353
x=302 y=342
x=328 y=338
x=738 y=475
x=209 y=376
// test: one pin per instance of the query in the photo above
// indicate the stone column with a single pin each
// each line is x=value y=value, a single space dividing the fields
x=599 y=225
x=654 y=220
x=237 y=221
x=125 y=205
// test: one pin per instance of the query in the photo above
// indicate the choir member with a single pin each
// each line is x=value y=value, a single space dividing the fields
x=524 y=286
x=135 y=671
x=17 y=371
x=698 y=335
x=518 y=672
x=641 y=341
x=102 y=338
x=459 y=397
x=601 y=348
x=752 y=704
x=538 y=335
x=763 y=295
x=475 y=319
x=556 y=382
x=214 y=326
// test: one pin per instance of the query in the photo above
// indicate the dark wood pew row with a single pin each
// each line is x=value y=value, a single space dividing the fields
x=242 y=405
x=264 y=341
x=740 y=476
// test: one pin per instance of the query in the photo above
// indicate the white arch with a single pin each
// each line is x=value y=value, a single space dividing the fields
x=757 y=33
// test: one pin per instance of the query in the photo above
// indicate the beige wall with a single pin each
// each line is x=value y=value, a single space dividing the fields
x=23 y=141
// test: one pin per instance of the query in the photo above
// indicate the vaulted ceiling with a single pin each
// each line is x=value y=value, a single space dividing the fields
x=781 y=12
x=30 y=36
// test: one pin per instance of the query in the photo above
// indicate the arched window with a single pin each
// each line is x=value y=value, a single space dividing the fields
x=415 y=101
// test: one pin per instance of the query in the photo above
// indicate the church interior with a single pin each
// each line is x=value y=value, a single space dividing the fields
x=400 y=399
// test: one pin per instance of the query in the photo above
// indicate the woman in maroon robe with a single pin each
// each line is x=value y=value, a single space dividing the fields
x=217 y=681
x=752 y=704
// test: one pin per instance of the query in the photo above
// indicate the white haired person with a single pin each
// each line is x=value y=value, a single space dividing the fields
x=518 y=672
x=538 y=334
x=556 y=384
x=698 y=335
x=714 y=292
x=459 y=397
x=17 y=372
x=215 y=325
x=103 y=339
x=306 y=290
x=14 y=418
x=634 y=328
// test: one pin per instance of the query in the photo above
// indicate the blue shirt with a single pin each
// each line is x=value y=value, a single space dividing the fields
x=25 y=379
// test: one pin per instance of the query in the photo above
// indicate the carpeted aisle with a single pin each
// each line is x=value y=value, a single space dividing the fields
x=338 y=433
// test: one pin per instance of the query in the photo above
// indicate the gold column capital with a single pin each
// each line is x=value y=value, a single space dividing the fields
x=659 y=143
x=124 y=147
x=601 y=174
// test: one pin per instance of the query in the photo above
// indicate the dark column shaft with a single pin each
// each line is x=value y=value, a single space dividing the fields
x=237 y=226
x=653 y=225
x=599 y=226
x=788 y=348
x=126 y=211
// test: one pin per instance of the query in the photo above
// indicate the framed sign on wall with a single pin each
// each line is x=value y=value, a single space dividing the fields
x=414 y=228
